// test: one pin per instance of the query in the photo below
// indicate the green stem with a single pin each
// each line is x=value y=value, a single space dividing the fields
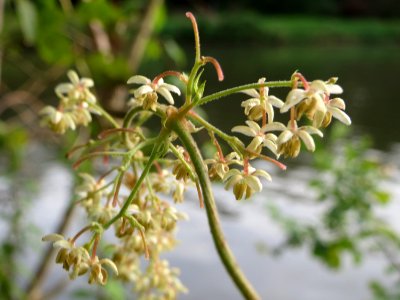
x=152 y=158
x=223 y=249
x=240 y=88
x=105 y=114
x=234 y=142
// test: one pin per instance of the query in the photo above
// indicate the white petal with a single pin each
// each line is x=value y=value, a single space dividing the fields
x=252 y=93
x=52 y=237
x=250 y=102
x=319 y=85
x=47 y=110
x=294 y=97
x=274 y=126
x=144 y=89
x=311 y=130
x=254 y=183
x=270 y=112
x=307 y=139
x=334 y=89
x=284 y=137
x=87 y=82
x=244 y=130
x=270 y=145
x=172 y=88
x=166 y=94
x=262 y=173
x=63 y=88
x=73 y=76
x=340 y=115
x=337 y=102
x=232 y=181
x=231 y=173
x=110 y=263
x=63 y=244
x=275 y=101
x=139 y=79
x=253 y=125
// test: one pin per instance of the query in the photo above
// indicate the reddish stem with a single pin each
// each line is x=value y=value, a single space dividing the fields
x=117 y=188
x=217 y=66
x=168 y=73
x=196 y=34
x=246 y=166
x=95 y=244
x=108 y=132
x=80 y=232
x=303 y=80
x=217 y=145
x=200 y=195
x=146 y=248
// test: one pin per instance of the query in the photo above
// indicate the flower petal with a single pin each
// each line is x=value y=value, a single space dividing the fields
x=307 y=140
x=139 y=79
x=166 y=94
x=171 y=88
x=254 y=183
x=294 y=97
x=274 y=126
x=73 y=77
x=284 y=137
x=275 y=101
x=110 y=263
x=144 y=89
x=54 y=237
x=337 y=102
x=252 y=93
x=253 y=125
x=262 y=173
x=334 y=89
x=244 y=130
x=311 y=130
x=340 y=115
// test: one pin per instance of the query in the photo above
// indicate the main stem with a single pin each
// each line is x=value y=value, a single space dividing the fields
x=223 y=249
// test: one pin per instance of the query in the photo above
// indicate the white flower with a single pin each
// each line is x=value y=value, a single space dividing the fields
x=316 y=91
x=260 y=138
x=245 y=183
x=57 y=120
x=260 y=103
x=289 y=140
x=146 y=94
x=220 y=165
x=77 y=90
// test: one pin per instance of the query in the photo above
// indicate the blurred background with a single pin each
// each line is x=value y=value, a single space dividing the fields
x=327 y=228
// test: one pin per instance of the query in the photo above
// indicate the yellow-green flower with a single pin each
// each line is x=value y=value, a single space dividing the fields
x=245 y=183
x=289 y=140
x=260 y=137
x=260 y=103
x=78 y=90
x=146 y=94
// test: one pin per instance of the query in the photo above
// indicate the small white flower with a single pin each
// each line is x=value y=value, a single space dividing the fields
x=245 y=183
x=77 y=90
x=260 y=103
x=289 y=140
x=146 y=94
x=260 y=138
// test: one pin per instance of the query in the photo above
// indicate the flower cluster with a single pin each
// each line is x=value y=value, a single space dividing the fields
x=76 y=104
x=147 y=175
x=78 y=262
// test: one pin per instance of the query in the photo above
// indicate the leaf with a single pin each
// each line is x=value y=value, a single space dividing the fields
x=27 y=15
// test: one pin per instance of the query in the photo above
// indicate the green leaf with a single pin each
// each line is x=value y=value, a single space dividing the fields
x=27 y=15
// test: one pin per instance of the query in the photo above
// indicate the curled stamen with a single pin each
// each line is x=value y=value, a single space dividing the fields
x=303 y=80
x=217 y=66
x=177 y=74
x=196 y=35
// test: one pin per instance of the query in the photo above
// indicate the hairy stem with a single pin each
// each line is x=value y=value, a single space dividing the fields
x=240 y=88
x=223 y=249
